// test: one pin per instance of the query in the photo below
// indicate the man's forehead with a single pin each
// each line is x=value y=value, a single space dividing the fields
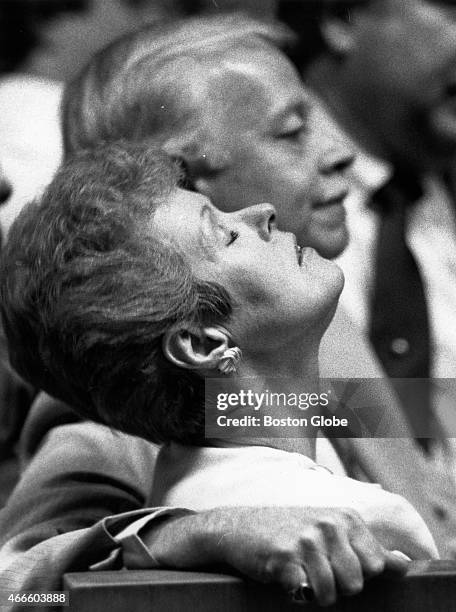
x=261 y=80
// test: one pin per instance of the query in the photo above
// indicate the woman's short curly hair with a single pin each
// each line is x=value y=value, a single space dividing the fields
x=87 y=294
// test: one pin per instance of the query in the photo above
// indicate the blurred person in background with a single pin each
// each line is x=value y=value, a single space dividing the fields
x=53 y=39
x=43 y=44
x=384 y=72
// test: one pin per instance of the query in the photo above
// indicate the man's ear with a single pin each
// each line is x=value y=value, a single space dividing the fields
x=195 y=348
x=338 y=34
x=202 y=159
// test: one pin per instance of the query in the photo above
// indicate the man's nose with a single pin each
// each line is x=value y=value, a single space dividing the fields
x=5 y=190
x=262 y=216
x=337 y=158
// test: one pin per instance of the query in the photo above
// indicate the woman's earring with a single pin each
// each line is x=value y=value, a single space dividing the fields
x=229 y=360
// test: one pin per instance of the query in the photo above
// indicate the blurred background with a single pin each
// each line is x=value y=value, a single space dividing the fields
x=43 y=43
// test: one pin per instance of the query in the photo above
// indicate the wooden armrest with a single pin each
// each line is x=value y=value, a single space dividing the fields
x=429 y=586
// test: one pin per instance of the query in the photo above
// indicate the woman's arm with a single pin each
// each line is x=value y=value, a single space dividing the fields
x=330 y=548
x=55 y=523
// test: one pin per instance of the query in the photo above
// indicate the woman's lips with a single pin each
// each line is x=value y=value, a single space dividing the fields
x=304 y=253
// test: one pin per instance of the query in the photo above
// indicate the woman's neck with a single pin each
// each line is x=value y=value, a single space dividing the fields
x=287 y=374
x=296 y=360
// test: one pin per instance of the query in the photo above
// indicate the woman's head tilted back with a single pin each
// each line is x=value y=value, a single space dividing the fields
x=121 y=292
x=88 y=292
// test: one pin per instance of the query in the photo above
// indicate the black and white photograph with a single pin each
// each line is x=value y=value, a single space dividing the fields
x=228 y=305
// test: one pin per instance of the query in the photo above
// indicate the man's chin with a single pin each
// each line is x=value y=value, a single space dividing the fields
x=330 y=243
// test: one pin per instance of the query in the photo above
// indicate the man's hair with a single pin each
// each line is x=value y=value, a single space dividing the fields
x=141 y=86
x=88 y=291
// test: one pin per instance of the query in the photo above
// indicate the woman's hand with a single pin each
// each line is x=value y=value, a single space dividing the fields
x=331 y=549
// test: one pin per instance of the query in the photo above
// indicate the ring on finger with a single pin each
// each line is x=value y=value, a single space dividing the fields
x=302 y=594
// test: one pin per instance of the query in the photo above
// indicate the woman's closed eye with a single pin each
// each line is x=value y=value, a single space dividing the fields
x=292 y=128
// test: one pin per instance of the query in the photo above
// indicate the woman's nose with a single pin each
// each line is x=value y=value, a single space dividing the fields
x=262 y=216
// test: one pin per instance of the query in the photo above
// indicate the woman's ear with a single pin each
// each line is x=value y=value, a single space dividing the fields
x=195 y=348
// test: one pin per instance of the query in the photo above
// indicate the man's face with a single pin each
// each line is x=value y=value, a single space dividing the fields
x=260 y=119
x=402 y=68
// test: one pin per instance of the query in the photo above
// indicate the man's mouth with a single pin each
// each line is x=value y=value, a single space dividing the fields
x=336 y=199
